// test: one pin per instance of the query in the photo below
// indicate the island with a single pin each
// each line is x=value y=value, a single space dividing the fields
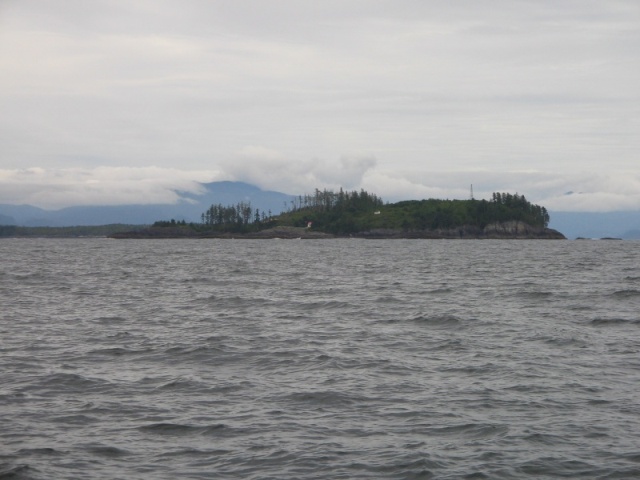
x=359 y=214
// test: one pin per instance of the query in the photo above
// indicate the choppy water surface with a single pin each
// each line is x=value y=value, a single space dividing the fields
x=319 y=359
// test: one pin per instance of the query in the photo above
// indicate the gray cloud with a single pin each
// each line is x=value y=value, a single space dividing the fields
x=411 y=87
x=273 y=170
x=53 y=189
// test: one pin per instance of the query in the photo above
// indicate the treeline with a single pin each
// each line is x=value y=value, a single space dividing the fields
x=333 y=212
x=328 y=200
x=352 y=212
x=521 y=208
x=240 y=217
x=170 y=223
x=327 y=211
x=435 y=214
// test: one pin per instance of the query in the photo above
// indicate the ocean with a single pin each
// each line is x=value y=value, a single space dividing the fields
x=319 y=359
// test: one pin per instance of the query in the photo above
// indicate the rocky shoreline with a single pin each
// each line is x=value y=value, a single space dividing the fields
x=505 y=230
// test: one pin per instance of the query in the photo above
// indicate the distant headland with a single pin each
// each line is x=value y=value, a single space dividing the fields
x=359 y=214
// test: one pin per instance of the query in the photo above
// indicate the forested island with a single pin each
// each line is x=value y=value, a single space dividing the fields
x=359 y=214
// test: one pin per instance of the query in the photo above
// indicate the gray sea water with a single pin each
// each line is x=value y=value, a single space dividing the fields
x=326 y=359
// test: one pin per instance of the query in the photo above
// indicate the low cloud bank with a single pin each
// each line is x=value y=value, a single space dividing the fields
x=52 y=189
x=271 y=170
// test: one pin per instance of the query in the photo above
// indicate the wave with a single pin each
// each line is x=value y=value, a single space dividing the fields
x=328 y=305
x=562 y=342
x=627 y=293
x=177 y=429
x=613 y=322
x=75 y=419
x=195 y=452
x=388 y=299
x=118 y=352
x=550 y=466
x=23 y=452
x=323 y=398
x=106 y=450
x=546 y=439
x=69 y=382
x=184 y=385
x=469 y=431
x=19 y=472
x=110 y=320
x=535 y=295
x=475 y=369
x=451 y=344
x=222 y=302
x=189 y=350
x=438 y=321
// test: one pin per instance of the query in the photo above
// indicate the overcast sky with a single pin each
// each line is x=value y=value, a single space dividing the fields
x=122 y=101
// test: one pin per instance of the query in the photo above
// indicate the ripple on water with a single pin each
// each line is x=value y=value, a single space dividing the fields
x=176 y=429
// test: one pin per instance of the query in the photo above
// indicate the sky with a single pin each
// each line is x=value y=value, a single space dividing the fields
x=125 y=101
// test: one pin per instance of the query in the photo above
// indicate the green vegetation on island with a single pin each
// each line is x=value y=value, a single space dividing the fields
x=345 y=213
x=362 y=214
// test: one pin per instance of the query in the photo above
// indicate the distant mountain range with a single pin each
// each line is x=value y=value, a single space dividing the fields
x=624 y=225
x=191 y=206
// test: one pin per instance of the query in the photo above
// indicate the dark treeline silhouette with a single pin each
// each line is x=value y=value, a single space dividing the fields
x=326 y=209
x=328 y=200
x=239 y=217
x=170 y=223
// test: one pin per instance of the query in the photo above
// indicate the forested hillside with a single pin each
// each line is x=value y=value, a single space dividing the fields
x=352 y=212
x=345 y=213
